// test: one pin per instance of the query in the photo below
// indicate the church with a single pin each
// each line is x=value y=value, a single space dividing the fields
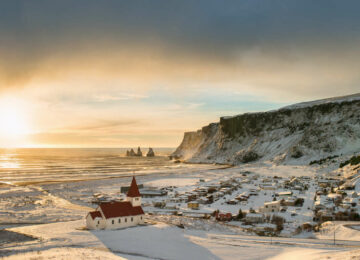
x=115 y=215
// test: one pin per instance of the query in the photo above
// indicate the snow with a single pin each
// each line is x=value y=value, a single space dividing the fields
x=66 y=253
x=347 y=98
x=158 y=241
x=348 y=230
x=179 y=182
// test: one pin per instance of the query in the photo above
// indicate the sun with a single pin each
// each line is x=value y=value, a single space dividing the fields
x=13 y=120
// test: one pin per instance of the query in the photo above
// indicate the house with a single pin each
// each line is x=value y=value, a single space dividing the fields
x=254 y=218
x=324 y=203
x=265 y=227
x=171 y=206
x=115 y=214
x=284 y=194
x=159 y=204
x=223 y=216
x=288 y=201
x=242 y=197
x=354 y=194
x=268 y=186
x=193 y=205
x=125 y=189
x=150 y=193
x=270 y=207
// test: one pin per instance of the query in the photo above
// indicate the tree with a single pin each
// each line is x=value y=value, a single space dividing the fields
x=279 y=222
x=240 y=215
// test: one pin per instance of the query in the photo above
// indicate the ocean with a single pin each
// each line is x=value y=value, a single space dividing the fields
x=37 y=165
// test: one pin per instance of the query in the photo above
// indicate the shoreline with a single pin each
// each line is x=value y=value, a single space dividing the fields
x=212 y=167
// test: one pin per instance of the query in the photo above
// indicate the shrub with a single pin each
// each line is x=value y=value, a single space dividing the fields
x=296 y=152
x=352 y=161
x=250 y=157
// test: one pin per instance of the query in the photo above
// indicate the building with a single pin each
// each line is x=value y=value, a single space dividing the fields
x=150 y=193
x=115 y=214
x=193 y=205
x=270 y=207
x=284 y=194
x=125 y=189
x=223 y=216
x=254 y=218
x=268 y=186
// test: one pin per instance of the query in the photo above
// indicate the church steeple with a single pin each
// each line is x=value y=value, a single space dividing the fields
x=133 y=195
x=134 y=190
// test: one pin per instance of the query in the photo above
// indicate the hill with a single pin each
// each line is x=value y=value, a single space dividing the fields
x=296 y=134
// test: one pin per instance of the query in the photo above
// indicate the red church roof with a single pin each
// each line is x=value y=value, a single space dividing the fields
x=134 y=190
x=120 y=209
x=95 y=214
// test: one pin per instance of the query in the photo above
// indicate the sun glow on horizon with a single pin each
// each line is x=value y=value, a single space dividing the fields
x=14 y=125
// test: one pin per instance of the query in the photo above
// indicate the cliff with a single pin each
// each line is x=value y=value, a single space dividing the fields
x=295 y=134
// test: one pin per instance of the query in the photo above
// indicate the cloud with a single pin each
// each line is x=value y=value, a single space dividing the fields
x=104 y=126
x=118 y=97
x=139 y=68
x=283 y=47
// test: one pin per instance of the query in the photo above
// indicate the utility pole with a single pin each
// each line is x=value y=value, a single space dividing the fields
x=334 y=232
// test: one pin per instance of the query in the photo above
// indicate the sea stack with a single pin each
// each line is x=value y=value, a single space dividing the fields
x=132 y=153
x=150 y=153
x=139 y=153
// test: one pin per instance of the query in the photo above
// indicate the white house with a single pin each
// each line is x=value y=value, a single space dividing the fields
x=114 y=215
x=254 y=218
x=270 y=207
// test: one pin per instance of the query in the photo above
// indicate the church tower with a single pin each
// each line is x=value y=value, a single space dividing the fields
x=133 y=195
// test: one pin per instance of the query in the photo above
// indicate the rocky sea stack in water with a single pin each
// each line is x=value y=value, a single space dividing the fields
x=150 y=153
x=132 y=153
x=295 y=134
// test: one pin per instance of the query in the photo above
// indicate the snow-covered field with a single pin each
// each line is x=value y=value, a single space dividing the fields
x=67 y=240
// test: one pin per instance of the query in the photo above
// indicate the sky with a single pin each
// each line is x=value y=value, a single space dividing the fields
x=118 y=73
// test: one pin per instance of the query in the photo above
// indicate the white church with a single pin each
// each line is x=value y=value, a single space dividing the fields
x=114 y=215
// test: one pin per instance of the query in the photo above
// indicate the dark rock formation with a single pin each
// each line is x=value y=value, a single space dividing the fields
x=131 y=153
x=139 y=152
x=150 y=153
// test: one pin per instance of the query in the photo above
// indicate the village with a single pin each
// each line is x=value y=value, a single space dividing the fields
x=255 y=210
x=258 y=204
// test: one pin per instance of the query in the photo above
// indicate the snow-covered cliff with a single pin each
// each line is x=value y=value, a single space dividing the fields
x=295 y=134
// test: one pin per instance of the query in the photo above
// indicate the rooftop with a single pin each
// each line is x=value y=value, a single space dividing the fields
x=134 y=190
x=120 y=209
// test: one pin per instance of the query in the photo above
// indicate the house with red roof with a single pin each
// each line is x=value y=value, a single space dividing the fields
x=115 y=214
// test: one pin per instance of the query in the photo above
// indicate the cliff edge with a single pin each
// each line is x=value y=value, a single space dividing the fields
x=296 y=134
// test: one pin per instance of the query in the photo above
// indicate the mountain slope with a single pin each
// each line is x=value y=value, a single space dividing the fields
x=295 y=134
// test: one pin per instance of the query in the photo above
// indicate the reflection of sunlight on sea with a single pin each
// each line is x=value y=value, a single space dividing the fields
x=40 y=165
x=9 y=165
x=9 y=162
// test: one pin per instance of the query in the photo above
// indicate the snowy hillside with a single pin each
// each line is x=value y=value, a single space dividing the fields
x=295 y=134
